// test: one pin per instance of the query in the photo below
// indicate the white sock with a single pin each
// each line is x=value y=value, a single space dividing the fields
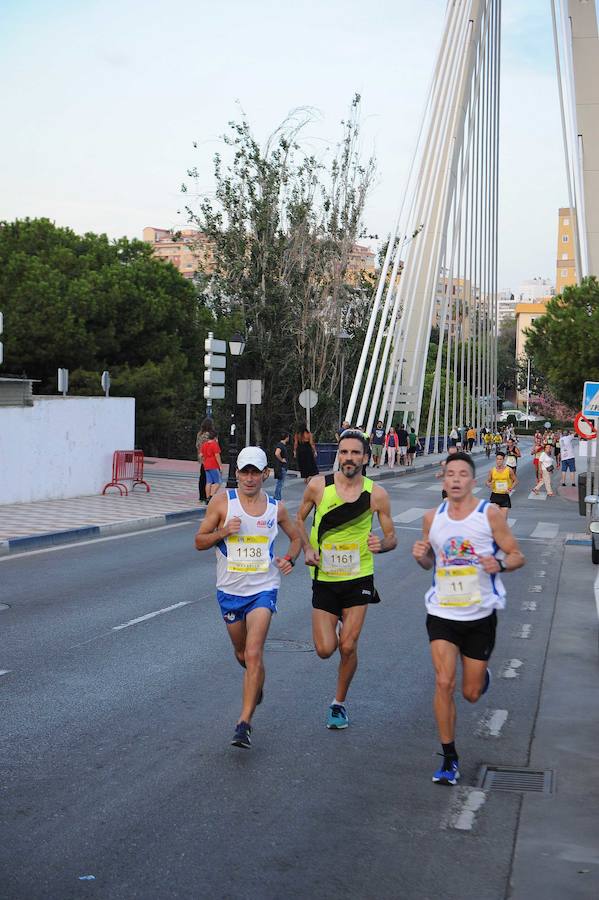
x=338 y=703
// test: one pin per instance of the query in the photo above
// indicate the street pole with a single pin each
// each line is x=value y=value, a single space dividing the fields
x=527 y=393
x=340 y=419
x=248 y=412
x=232 y=477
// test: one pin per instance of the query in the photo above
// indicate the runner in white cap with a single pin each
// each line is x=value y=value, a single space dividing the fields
x=242 y=524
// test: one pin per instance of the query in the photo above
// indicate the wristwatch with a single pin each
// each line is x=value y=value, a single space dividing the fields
x=289 y=559
x=502 y=566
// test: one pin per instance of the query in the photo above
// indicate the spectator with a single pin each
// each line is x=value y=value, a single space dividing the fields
x=304 y=450
x=454 y=437
x=391 y=447
x=568 y=463
x=402 y=443
x=377 y=441
x=211 y=459
x=413 y=445
x=206 y=429
x=546 y=467
x=471 y=437
x=281 y=463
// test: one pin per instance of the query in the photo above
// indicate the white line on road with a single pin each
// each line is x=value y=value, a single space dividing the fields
x=159 y=612
x=410 y=515
x=533 y=496
x=510 y=669
x=529 y=606
x=492 y=722
x=524 y=631
x=466 y=803
x=535 y=589
x=511 y=522
x=4 y=671
x=541 y=573
x=545 y=530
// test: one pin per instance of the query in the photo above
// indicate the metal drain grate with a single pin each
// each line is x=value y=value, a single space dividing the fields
x=281 y=645
x=510 y=778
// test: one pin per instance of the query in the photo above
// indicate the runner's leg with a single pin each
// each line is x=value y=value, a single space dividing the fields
x=324 y=632
x=257 y=625
x=237 y=633
x=353 y=620
x=445 y=656
x=473 y=678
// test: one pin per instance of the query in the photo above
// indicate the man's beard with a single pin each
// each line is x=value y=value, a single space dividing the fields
x=356 y=469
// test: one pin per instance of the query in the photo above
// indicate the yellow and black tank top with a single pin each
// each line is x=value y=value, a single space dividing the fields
x=500 y=481
x=340 y=534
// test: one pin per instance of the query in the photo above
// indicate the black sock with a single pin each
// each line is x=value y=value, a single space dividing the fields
x=449 y=750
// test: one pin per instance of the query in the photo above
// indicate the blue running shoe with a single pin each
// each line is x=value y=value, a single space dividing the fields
x=487 y=683
x=242 y=738
x=449 y=772
x=337 y=717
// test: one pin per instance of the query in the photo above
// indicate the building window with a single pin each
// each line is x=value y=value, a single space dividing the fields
x=564 y=256
x=564 y=273
x=565 y=238
x=566 y=221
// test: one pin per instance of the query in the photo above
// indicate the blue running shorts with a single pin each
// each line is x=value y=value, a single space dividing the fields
x=235 y=608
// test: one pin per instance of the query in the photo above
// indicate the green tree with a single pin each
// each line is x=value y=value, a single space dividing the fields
x=563 y=343
x=282 y=225
x=89 y=304
x=507 y=366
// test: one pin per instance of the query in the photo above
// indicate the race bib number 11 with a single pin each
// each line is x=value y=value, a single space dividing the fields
x=458 y=586
x=247 y=553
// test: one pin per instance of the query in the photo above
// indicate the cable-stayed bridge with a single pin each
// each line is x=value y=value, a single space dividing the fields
x=440 y=270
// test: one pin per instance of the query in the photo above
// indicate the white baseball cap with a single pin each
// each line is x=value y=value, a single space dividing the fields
x=252 y=456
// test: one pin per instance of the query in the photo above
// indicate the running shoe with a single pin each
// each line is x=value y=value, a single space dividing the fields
x=487 y=682
x=449 y=772
x=337 y=717
x=242 y=738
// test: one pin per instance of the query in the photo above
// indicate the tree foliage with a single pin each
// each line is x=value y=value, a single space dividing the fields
x=89 y=304
x=563 y=343
x=283 y=223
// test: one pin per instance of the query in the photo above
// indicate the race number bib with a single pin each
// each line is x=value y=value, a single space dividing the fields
x=247 y=553
x=510 y=461
x=458 y=586
x=341 y=559
x=501 y=487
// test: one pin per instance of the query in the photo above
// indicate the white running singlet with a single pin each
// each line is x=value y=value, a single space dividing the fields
x=461 y=589
x=244 y=561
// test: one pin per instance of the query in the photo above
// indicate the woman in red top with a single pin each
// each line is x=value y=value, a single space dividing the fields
x=211 y=461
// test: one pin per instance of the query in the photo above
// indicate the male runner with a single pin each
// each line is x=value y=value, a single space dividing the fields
x=460 y=541
x=340 y=551
x=512 y=454
x=502 y=480
x=242 y=525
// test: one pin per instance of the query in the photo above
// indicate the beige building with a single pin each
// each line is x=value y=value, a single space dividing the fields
x=188 y=250
x=566 y=264
x=526 y=313
x=361 y=265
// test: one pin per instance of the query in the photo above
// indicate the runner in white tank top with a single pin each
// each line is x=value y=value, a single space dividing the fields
x=460 y=542
x=242 y=525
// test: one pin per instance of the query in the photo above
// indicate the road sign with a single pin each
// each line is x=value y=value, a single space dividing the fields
x=584 y=428
x=213 y=361
x=309 y=399
x=590 y=398
x=249 y=392
x=212 y=376
x=214 y=392
x=105 y=382
x=213 y=345
x=63 y=381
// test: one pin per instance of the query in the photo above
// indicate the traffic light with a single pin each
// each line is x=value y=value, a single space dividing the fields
x=214 y=372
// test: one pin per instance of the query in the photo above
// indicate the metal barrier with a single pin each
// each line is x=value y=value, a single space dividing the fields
x=127 y=465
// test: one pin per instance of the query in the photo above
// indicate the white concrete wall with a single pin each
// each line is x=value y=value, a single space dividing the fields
x=62 y=446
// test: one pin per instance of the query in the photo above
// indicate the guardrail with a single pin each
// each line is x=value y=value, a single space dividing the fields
x=127 y=465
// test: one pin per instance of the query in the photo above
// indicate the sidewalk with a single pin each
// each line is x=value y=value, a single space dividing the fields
x=173 y=495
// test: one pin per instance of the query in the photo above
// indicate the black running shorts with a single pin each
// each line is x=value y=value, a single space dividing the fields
x=501 y=500
x=475 y=639
x=335 y=596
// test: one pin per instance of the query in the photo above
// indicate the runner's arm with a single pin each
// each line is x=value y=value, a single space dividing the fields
x=212 y=530
x=505 y=540
x=311 y=499
x=422 y=550
x=382 y=507
x=287 y=562
x=513 y=478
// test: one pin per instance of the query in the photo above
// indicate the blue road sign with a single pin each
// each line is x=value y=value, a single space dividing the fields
x=590 y=398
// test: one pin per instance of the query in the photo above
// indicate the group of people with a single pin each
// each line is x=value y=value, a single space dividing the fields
x=551 y=450
x=396 y=444
x=466 y=543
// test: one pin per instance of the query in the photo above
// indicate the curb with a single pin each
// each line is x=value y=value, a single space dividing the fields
x=76 y=535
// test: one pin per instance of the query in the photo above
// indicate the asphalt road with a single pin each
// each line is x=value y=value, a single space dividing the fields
x=115 y=738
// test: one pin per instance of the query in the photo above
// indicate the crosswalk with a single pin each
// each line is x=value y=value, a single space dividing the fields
x=544 y=531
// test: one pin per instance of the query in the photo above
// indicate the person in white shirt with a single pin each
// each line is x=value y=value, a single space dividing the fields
x=546 y=467
x=567 y=457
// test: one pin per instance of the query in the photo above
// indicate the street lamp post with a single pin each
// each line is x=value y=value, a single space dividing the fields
x=236 y=348
x=342 y=335
x=527 y=393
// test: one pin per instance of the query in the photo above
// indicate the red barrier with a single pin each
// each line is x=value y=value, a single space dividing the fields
x=127 y=465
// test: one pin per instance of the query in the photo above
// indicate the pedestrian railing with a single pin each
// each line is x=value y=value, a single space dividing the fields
x=127 y=465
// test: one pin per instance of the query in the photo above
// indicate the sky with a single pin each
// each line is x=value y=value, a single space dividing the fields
x=103 y=101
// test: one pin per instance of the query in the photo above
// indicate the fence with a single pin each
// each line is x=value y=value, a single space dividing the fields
x=127 y=465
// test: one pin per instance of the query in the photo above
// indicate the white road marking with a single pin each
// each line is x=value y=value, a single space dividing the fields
x=410 y=515
x=510 y=670
x=159 y=612
x=533 y=496
x=492 y=722
x=546 y=530
x=466 y=803
x=4 y=671
x=529 y=606
x=98 y=540
x=535 y=589
x=524 y=631
x=511 y=522
x=541 y=573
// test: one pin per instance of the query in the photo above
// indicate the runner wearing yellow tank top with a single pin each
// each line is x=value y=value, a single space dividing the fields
x=502 y=480
x=340 y=552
